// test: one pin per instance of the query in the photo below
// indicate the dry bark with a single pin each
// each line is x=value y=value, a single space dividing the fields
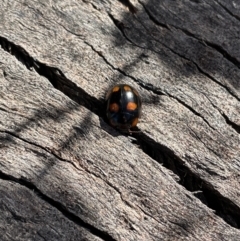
x=63 y=168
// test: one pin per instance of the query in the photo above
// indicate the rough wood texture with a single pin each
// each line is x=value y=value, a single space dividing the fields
x=65 y=174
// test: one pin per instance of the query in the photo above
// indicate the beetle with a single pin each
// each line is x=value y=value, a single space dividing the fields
x=124 y=106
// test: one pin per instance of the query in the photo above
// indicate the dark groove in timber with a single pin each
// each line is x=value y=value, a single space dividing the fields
x=55 y=76
x=152 y=18
x=224 y=53
x=232 y=124
x=99 y=233
x=130 y=6
x=205 y=192
x=223 y=207
x=228 y=11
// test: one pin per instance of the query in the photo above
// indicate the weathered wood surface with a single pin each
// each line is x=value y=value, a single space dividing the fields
x=24 y=216
x=60 y=155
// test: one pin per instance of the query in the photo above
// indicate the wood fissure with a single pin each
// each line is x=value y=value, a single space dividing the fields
x=228 y=11
x=151 y=17
x=51 y=152
x=223 y=207
x=232 y=124
x=66 y=174
x=218 y=48
x=130 y=6
x=60 y=82
x=214 y=46
x=59 y=206
x=54 y=76
x=204 y=191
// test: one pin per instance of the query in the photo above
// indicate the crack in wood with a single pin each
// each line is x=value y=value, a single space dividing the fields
x=144 y=85
x=223 y=207
x=48 y=150
x=15 y=216
x=4 y=110
x=59 y=206
x=231 y=123
x=110 y=185
x=150 y=86
x=226 y=118
x=120 y=25
x=223 y=52
x=130 y=6
x=55 y=76
x=125 y=201
x=192 y=110
x=154 y=90
x=196 y=136
x=40 y=235
x=182 y=226
x=60 y=82
x=216 y=47
x=159 y=92
x=151 y=17
x=228 y=11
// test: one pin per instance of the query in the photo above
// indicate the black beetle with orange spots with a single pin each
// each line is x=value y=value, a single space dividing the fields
x=123 y=107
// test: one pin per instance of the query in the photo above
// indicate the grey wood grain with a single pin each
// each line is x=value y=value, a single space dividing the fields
x=183 y=59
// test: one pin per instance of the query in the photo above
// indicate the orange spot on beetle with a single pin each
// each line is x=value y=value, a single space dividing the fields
x=127 y=88
x=116 y=89
x=131 y=106
x=114 y=107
